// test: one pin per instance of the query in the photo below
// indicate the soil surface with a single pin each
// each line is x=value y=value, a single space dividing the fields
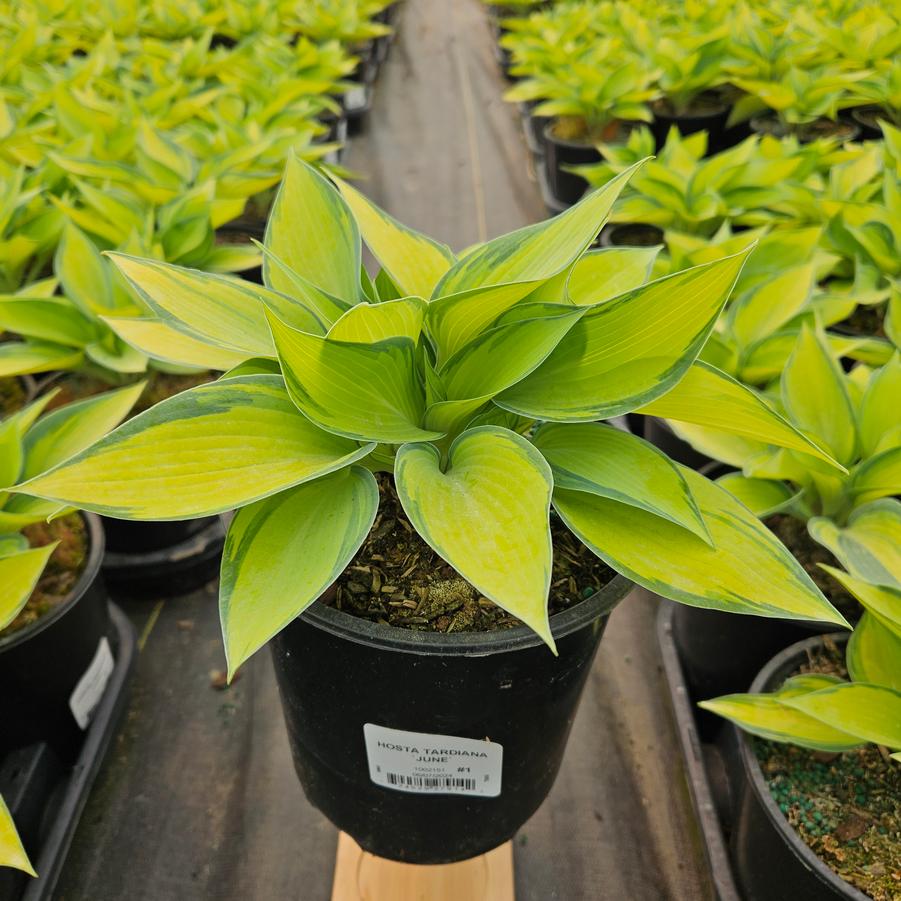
x=576 y=129
x=12 y=396
x=794 y=535
x=845 y=807
x=396 y=579
x=63 y=568
x=160 y=385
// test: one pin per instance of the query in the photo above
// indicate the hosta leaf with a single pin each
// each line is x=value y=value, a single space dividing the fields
x=414 y=261
x=225 y=312
x=708 y=397
x=112 y=353
x=367 y=391
x=746 y=571
x=815 y=396
x=201 y=452
x=537 y=252
x=608 y=462
x=12 y=854
x=283 y=552
x=23 y=357
x=66 y=431
x=19 y=573
x=874 y=652
x=869 y=546
x=367 y=323
x=504 y=354
x=878 y=414
x=764 y=310
x=324 y=306
x=884 y=603
x=160 y=341
x=85 y=277
x=313 y=231
x=880 y=476
x=627 y=351
x=486 y=514
x=769 y=717
x=47 y=319
x=454 y=321
x=871 y=712
x=761 y=496
x=603 y=274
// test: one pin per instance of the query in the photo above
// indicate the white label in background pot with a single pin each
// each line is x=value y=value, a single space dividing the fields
x=91 y=685
x=433 y=764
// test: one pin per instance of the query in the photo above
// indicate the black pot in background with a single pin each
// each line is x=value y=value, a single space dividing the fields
x=630 y=234
x=866 y=118
x=336 y=134
x=721 y=652
x=842 y=130
x=712 y=120
x=337 y=673
x=771 y=861
x=566 y=187
x=55 y=669
x=161 y=559
x=533 y=127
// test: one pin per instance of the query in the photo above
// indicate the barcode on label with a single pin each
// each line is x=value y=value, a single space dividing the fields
x=427 y=782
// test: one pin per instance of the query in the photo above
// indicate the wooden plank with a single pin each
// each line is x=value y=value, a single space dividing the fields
x=360 y=876
x=198 y=800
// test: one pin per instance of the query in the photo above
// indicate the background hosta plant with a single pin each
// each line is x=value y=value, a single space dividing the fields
x=856 y=416
x=96 y=326
x=421 y=372
x=827 y=713
x=30 y=444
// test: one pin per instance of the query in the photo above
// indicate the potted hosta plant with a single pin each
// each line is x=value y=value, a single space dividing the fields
x=592 y=99
x=853 y=416
x=819 y=782
x=395 y=447
x=54 y=623
x=691 y=79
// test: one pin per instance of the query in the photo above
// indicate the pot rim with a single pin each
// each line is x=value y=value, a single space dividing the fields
x=465 y=644
x=87 y=578
x=778 y=668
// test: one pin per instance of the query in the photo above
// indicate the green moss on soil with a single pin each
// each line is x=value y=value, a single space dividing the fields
x=845 y=807
x=63 y=568
x=396 y=579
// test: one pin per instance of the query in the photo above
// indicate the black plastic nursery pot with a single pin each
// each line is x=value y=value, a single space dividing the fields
x=54 y=670
x=630 y=234
x=566 y=187
x=711 y=117
x=533 y=128
x=721 y=652
x=426 y=747
x=771 y=861
x=162 y=558
x=842 y=130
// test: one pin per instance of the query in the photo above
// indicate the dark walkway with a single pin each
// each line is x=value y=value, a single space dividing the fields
x=198 y=800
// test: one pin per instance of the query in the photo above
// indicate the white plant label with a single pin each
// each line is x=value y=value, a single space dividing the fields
x=433 y=764
x=89 y=691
